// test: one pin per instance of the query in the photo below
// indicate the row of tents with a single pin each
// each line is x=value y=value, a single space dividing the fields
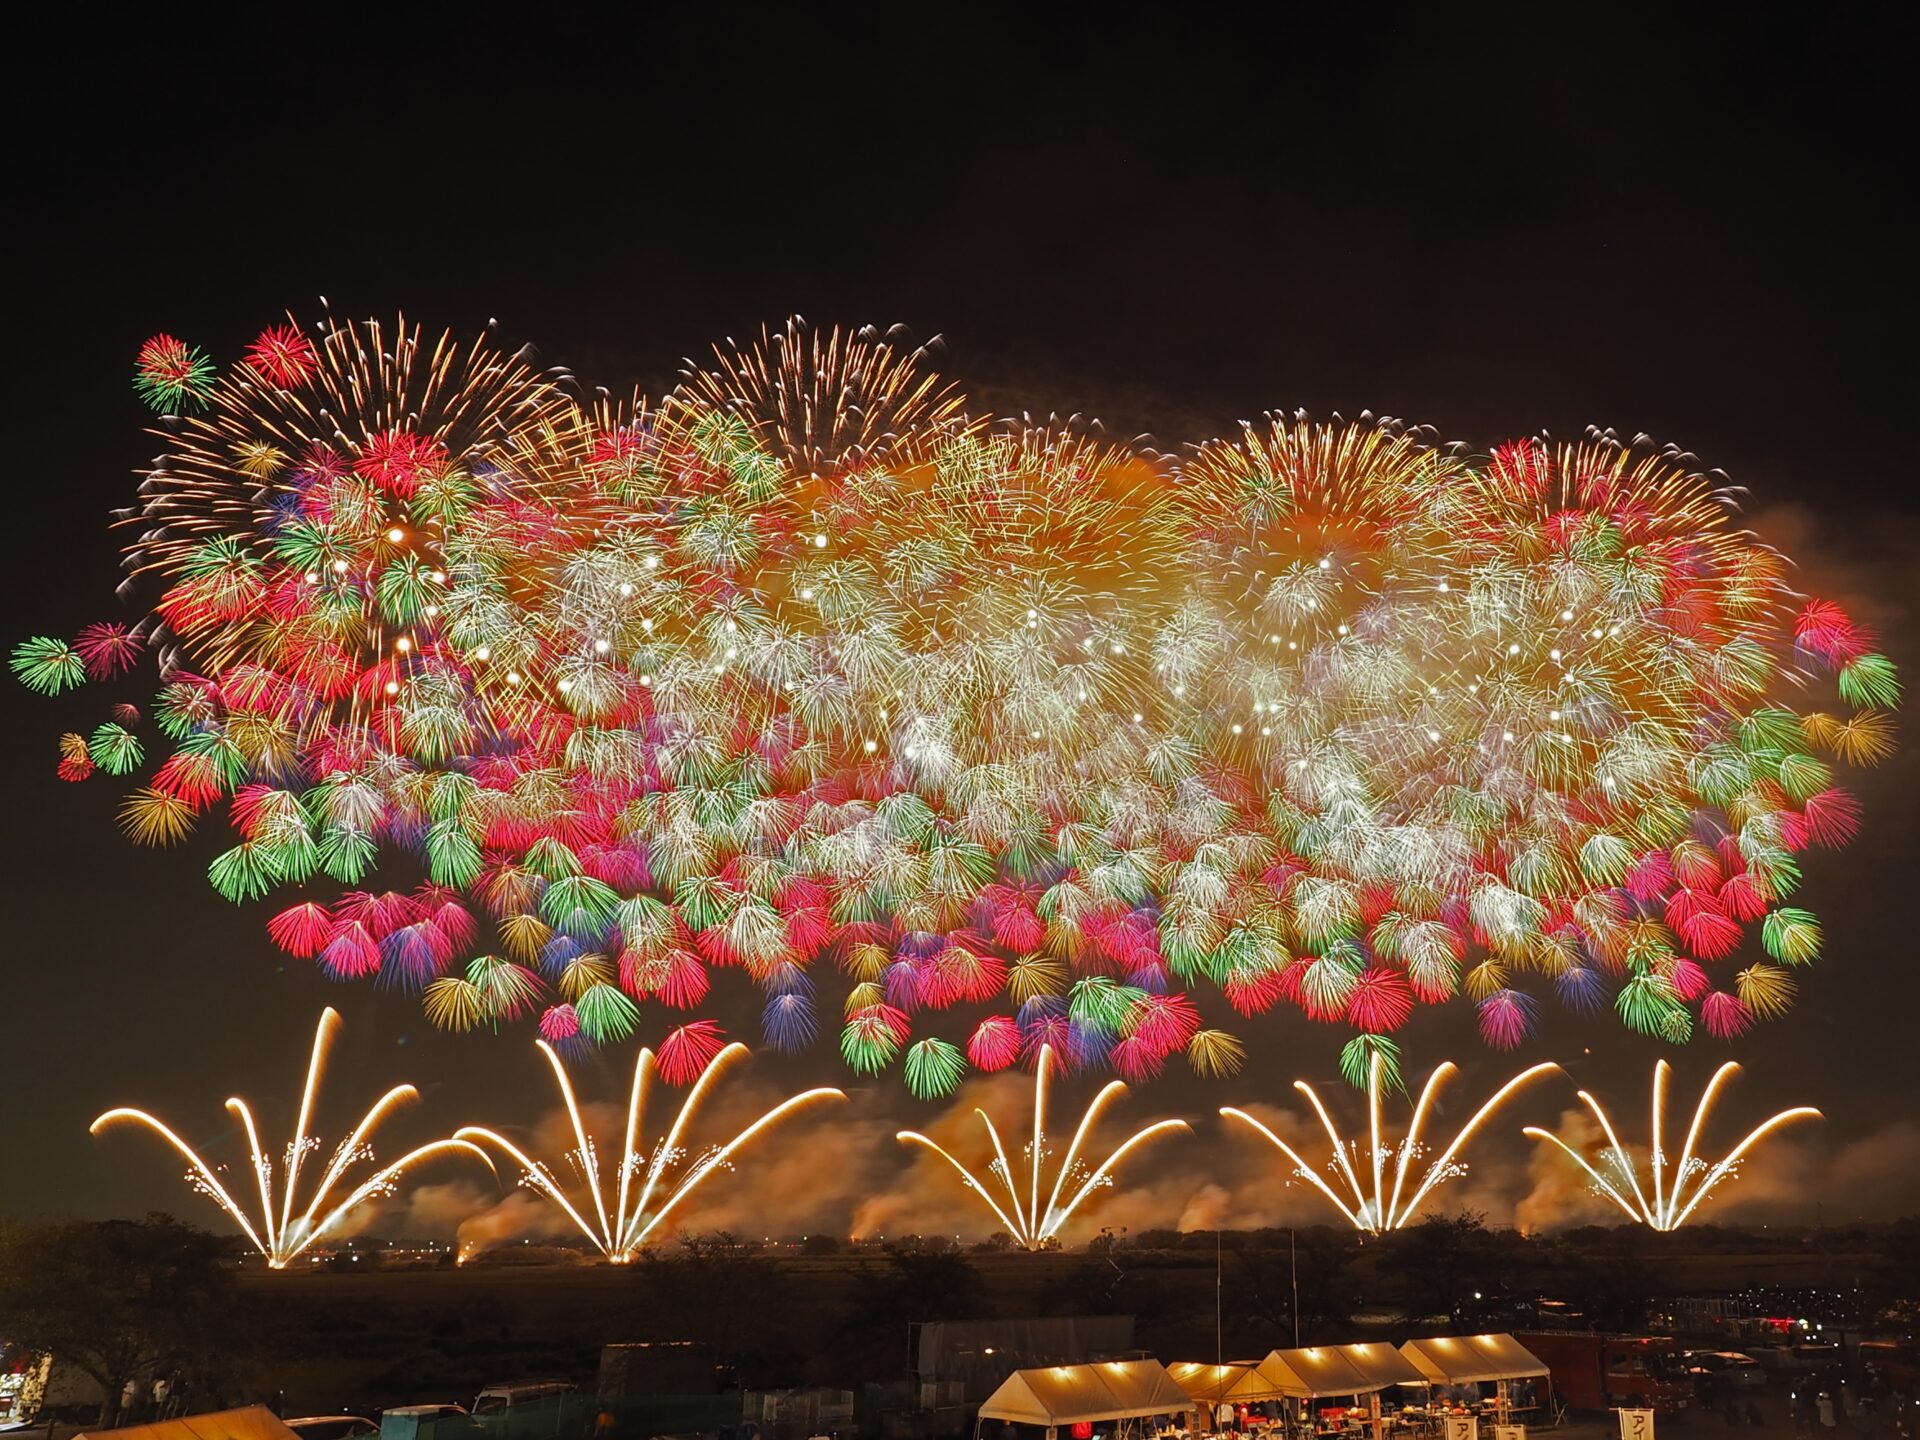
x=1060 y=1396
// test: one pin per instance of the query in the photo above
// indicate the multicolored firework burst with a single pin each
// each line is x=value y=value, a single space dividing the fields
x=1014 y=1197
x=1375 y=1173
x=624 y=1206
x=173 y=375
x=1008 y=725
x=280 y=1235
x=1666 y=1201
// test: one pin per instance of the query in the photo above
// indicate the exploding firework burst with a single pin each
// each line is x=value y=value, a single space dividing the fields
x=804 y=662
x=1014 y=1192
x=1672 y=1192
x=621 y=1207
x=1375 y=1173
x=279 y=1234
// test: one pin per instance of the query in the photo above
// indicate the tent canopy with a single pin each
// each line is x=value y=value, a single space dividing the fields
x=1056 y=1395
x=1211 y=1383
x=255 y=1422
x=1317 y=1370
x=1469 y=1359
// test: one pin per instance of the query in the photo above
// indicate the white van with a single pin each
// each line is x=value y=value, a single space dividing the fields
x=497 y=1402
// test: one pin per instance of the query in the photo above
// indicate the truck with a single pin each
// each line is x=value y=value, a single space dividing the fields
x=1599 y=1372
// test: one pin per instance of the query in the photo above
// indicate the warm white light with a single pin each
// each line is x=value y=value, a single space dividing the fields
x=600 y=647
x=396 y=534
x=483 y=653
x=391 y=688
x=403 y=644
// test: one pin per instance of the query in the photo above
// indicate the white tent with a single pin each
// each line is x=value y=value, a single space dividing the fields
x=1474 y=1360
x=1211 y=1384
x=1320 y=1370
x=255 y=1422
x=1470 y=1359
x=1056 y=1395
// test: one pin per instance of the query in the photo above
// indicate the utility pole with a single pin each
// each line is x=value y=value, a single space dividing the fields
x=1293 y=1265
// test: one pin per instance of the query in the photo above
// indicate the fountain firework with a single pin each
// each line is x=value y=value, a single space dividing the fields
x=1032 y=1225
x=282 y=1236
x=664 y=1177
x=1381 y=1208
x=1672 y=1201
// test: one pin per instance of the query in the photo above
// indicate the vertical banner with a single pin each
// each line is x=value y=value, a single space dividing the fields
x=1463 y=1427
x=1636 y=1425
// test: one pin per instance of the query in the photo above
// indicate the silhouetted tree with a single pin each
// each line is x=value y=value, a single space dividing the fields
x=122 y=1300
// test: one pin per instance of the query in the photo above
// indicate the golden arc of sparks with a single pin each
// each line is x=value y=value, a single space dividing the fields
x=620 y=1233
x=1673 y=1202
x=1377 y=1208
x=282 y=1237
x=1031 y=1225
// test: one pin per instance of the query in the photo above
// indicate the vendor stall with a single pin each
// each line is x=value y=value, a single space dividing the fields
x=1057 y=1396
x=1315 y=1372
x=1476 y=1360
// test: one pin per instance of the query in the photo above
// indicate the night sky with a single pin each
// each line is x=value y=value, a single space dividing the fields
x=1496 y=223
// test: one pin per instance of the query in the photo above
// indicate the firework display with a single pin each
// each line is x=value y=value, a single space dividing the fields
x=644 y=1186
x=1376 y=1173
x=1032 y=1224
x=280 y=1235
x=1008 y=740
x=1617 y=1176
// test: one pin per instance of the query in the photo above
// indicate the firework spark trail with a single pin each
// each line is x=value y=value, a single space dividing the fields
x=282 y=1237
x=1369 y=1204
x=1672 y=1202
x=1031 y=1225
x=666 y=1176
x=803 y=662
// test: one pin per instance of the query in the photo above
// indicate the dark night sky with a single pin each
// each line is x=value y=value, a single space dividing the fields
x=1492 y=222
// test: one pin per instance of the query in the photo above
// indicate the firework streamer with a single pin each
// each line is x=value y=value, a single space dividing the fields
x=1673 y=1190
x=1014 y=1192
x=1374 y=1174
x=277 y=1232
x=620 y=1206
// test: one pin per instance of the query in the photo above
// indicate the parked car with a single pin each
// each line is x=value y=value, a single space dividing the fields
x=1725 y=1367
x=407 y=1422
x=332 y=1427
